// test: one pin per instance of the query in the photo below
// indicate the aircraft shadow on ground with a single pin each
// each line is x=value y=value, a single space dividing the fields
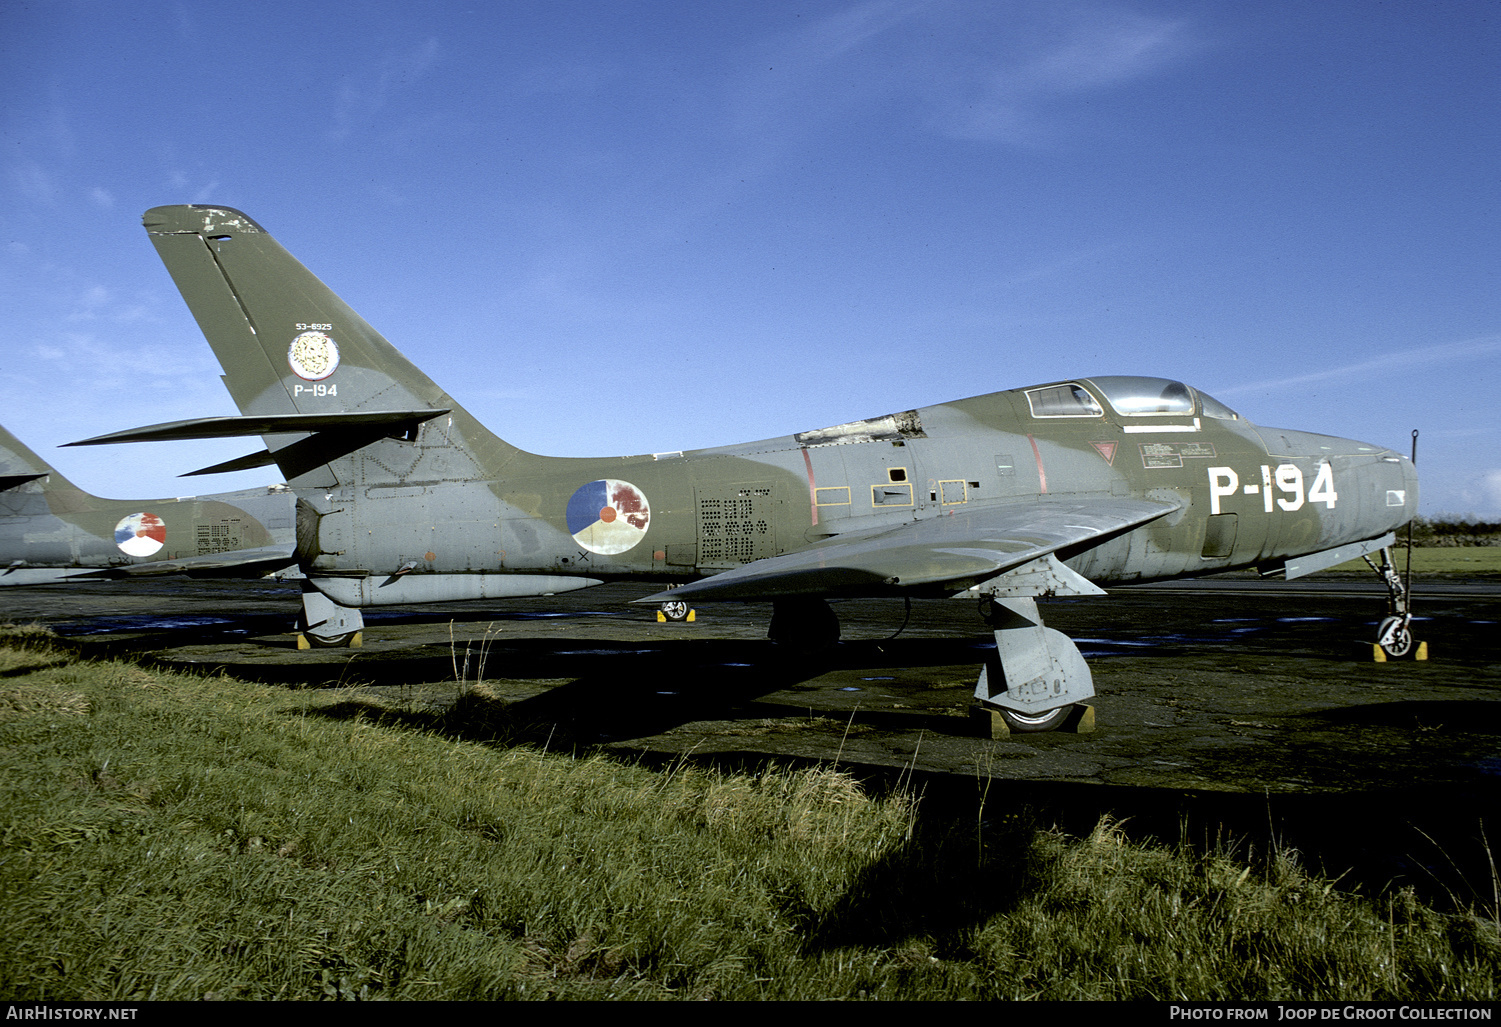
x=943 y=880
x=1475 y=716
x=615 y=691
x=971 y=852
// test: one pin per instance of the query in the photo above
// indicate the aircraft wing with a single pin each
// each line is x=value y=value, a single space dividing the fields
x=240 y=563
x=953 y=550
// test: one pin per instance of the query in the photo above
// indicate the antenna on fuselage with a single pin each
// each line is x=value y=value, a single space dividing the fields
x=1408 y=573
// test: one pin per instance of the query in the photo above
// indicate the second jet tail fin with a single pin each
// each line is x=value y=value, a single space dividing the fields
x=19 y=467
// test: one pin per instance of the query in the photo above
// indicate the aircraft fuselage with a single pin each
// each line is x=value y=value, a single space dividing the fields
x=1245 y=496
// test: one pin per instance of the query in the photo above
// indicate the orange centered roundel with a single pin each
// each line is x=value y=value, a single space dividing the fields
x=608 y=516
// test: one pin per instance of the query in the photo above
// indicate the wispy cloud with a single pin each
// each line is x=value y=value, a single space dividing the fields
x=984 y=72
x=360 y=98
x=561 y=78
x=1004 y=85
x=1490 y=489
x=1059 y=264
x=180 y=180
x=1447 y=352
x=1477 y=494
x=98 y=303
x=93 y=363
x=833 y=37
x=33 y=182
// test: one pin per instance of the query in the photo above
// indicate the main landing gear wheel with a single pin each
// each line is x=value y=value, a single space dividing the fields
x=1395 y=637
x=675 y=609
x=1022 y=723
x=340 y=641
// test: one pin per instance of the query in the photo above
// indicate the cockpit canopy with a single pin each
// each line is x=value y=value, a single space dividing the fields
x=1132 y=397
x=1128 y=396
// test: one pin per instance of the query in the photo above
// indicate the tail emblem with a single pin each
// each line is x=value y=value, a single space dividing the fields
x=608 y=516
x=141 y=534
x=313 y=356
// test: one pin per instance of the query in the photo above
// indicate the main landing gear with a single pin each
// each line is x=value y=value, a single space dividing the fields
x=1394 y=636
x=1037 y=677
x=324 y=624
x=1034 y=681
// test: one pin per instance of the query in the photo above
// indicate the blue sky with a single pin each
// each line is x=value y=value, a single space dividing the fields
x=630 y=227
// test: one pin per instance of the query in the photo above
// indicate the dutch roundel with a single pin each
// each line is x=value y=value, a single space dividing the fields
x=608 y=516
x=141 y=534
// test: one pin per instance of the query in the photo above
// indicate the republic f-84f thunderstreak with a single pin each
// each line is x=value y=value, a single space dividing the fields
x=53 y=531
x=403 y=497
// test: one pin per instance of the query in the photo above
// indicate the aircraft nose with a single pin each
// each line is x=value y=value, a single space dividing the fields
x=1393 y=486
x=1410 y=485
x=1388 y=486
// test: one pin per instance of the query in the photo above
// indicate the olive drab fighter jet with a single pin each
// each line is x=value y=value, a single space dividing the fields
x=403 y=497
x=51 y=530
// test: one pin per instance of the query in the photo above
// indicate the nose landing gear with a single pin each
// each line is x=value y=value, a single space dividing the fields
x=1394 y=636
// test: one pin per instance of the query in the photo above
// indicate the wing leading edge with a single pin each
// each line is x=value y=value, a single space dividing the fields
x=235 y=563
x=951 y=551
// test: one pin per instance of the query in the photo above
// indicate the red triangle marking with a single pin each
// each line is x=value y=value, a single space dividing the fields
x=1106 y=450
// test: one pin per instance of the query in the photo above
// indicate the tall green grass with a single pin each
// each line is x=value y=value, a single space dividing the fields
x=164 y=836
x=1437 y=560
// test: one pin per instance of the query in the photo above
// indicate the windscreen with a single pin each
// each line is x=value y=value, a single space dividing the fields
x=1135 y=397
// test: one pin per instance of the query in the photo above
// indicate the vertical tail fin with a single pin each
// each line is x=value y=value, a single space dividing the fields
x=19 y=466
x=32 y=498
x=289 y=345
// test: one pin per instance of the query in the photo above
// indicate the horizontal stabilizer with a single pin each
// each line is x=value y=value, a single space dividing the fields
x=10 y=481
x=265 y=458
x=266 y=424
x=20 y=576
x=949 y=551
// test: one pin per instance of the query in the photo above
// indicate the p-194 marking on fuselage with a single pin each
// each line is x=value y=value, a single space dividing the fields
x=1223 y=482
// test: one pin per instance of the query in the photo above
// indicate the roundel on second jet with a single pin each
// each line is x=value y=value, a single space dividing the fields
x=140 y=534
x=608 y=516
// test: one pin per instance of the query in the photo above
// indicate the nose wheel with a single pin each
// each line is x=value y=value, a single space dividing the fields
x=675 y=610
x=1395 y=637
